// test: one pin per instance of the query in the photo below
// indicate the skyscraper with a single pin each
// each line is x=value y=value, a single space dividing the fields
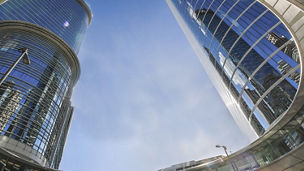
x=252 y=51
x=35 y=107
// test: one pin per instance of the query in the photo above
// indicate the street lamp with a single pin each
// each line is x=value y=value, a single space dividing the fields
x=26 y=60
x=224 y=147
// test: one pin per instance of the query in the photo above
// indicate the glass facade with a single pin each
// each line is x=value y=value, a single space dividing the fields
x=35 y=107
x=253 y=52
x=67 y=19
x=33 y=96
x=258 y=60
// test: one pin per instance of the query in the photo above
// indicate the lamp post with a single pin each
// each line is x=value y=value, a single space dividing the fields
x=26 y=60
x=225 y=149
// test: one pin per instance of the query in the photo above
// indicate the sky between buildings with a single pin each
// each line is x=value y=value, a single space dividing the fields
x=143 y=101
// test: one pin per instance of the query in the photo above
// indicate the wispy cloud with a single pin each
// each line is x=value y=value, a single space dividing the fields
x=143 y=101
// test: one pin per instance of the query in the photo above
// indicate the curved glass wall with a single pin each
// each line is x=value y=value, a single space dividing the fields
x=67 y=19
x=252 y=51
x=33 y=105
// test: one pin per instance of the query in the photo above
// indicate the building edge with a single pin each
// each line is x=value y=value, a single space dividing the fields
x=236 y=113
x=87 y=9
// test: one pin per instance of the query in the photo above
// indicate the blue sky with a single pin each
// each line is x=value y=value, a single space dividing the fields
x=143 y=101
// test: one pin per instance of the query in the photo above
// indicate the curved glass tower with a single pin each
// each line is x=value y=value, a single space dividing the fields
x=253 y=53
x=35 y=107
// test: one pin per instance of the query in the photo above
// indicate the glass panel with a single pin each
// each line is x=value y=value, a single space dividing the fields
x=69 y=22
x=257 y=125
x=279 y=99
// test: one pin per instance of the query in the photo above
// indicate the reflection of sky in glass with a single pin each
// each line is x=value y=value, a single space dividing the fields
x=260 y=118
x=254 y=23
x=40 y=87
x=240 y=78
x=49 y=15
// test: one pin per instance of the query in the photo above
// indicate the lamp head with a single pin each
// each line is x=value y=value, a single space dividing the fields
x=26 y=59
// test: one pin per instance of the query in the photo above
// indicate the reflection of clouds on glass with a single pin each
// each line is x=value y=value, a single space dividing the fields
x=229 y=66
x=66 y=24
x=203 y=31
x=238 y=78
x=261 y=118
x=191 y=12
x=233 y=21
x=189 y=5
x=223 y=14
x=8 y=45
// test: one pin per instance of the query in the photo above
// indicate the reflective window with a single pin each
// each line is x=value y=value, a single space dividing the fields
x=252 y=51
x=32 y=97
x=68 y=20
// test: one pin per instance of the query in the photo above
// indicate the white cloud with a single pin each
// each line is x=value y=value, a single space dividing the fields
x=143 y=101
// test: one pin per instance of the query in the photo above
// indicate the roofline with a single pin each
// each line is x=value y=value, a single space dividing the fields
x=87 y=9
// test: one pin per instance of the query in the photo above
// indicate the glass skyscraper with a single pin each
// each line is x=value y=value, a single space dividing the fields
x=35 y=107
x=253 y=53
